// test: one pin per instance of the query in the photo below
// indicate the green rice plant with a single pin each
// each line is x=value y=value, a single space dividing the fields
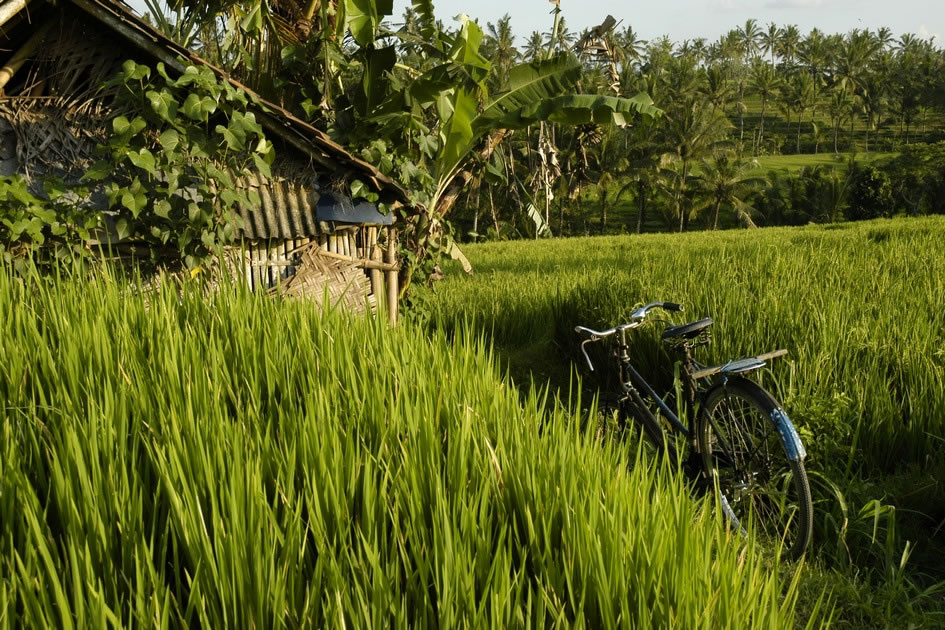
x=857 y=305
x=179 y=460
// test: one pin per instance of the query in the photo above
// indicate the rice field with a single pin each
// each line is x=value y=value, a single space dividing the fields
x=237 y=461
x=858 y=306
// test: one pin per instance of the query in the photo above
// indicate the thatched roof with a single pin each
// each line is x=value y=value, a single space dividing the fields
x=18 y=18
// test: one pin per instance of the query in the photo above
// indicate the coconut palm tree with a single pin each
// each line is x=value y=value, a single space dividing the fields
x=770 y=39
x=504 y=53
x=633 y=46
x=563 y=40
x=788 y=43
x=718 y=87
x=750 y=35
x=691 y=129
x=801 y=95
x=725 y=181
x=764 y=82
x=839 y=106
x=813 y=53
x=535 y=47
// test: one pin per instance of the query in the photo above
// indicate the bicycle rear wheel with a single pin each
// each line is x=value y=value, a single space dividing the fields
x=762 y=487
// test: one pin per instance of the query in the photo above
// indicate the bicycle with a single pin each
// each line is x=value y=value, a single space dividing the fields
x=739 y=437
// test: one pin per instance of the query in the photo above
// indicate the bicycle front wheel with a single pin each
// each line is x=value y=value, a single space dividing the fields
x=761 y=486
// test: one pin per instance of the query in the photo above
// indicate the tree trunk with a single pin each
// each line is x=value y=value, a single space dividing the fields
x=761 y=130
x=718 y=204
x=741 y=111
x=603 y=213
x=836 y=132
x=477 y=188
x=798 y=150
x=641 y=193
x=495 y=217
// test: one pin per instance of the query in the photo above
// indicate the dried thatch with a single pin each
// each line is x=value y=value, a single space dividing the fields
x=342 y=282
x=57 y=116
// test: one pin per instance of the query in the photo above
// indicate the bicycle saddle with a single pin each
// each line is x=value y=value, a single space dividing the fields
x=687 y=331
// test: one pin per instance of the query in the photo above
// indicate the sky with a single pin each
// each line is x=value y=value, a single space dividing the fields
x=689 y=19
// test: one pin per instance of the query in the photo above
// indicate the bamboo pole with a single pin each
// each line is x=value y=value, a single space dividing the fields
x=19 y=58
x=10 y=9
x=361 y=262
x=392 y=286
x=374 y=254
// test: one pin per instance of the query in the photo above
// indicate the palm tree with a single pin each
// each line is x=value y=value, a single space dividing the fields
x=504 y=53
x=535 y=47
x=788 y=43
x=874 y=100
x=839 y=107
x=812 y=52
x=725 y=180
x=770 y=40
x=633 y=46
x=909 y=42
x=801 y=95
x=883 y=37
x=764 y=82
x=718 y=87
x=563 y=41
x=691 y=129
x=750 y=36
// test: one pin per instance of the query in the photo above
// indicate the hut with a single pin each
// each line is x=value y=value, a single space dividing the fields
x=305 y=238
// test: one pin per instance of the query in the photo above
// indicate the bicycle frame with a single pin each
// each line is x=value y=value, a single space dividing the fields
x=630 y=378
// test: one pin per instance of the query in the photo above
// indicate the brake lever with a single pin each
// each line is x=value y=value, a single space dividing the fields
x=584 y=352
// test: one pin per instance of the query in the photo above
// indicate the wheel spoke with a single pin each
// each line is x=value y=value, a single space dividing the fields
x=741 y=443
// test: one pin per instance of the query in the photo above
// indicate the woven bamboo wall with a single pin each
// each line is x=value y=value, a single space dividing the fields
x=269 y=264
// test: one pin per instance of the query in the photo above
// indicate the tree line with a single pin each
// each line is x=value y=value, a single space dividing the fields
x=388 y=88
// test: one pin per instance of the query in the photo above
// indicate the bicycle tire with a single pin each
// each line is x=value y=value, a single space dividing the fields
x=759 y=484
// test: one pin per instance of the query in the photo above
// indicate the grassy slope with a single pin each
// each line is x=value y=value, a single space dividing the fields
x=794 y=163
x=857 y=305
x=244 y=462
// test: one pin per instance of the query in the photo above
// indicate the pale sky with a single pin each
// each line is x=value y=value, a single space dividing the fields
x=688 y=19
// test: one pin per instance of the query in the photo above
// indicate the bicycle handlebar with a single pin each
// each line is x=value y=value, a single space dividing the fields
x=636 y=319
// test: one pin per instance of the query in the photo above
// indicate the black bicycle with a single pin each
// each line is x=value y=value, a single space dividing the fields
x=739 y=438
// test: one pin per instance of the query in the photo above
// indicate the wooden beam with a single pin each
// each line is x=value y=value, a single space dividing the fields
x=10 y=8
x=19 y=58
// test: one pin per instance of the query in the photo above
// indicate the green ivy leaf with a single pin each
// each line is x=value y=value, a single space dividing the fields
x=121 y=228
x=193 y=107
x=262 y=166
x=120 y=125
x=162 y=208
x=163 y=104
x=358 y=188
x=169 y=139
x=143 y=159
x=98 y=171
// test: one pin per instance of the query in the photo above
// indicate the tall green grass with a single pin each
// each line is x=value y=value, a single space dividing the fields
x=859 y=307
x=241 y=462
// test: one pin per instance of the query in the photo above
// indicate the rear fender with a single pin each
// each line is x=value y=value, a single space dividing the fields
x=789 y=437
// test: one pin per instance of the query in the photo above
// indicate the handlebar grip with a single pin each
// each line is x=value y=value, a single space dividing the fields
x=584 y=332
x=672 y=306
